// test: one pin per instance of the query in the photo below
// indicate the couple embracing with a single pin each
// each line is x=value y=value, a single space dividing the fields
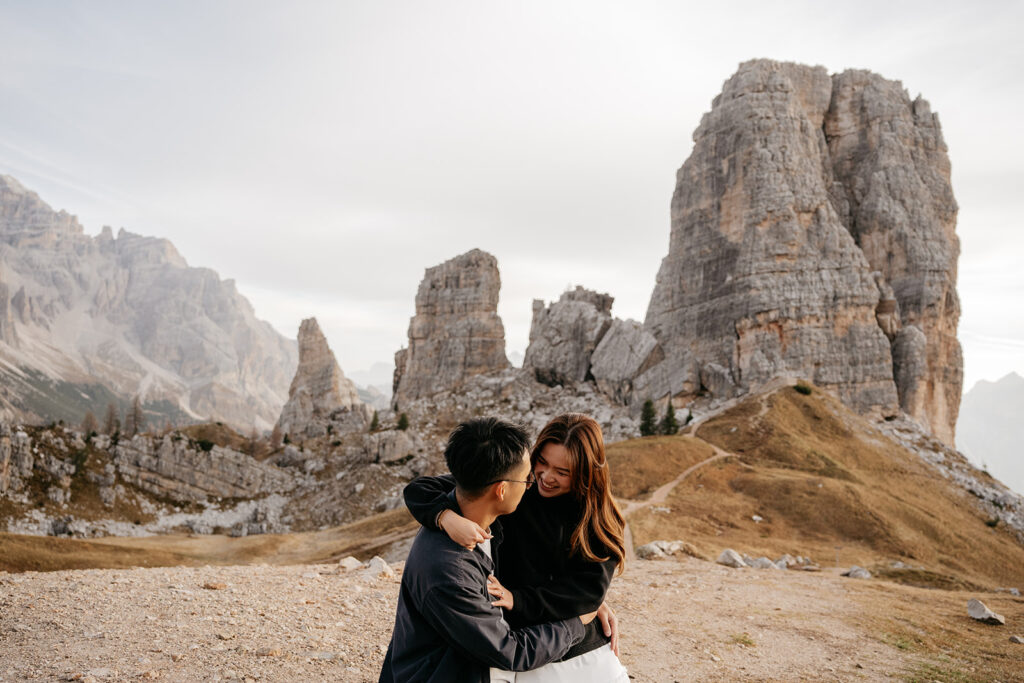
x=482 y=599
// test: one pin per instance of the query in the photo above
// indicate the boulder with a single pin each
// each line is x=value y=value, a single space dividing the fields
x=378 y=567
x=563 y=336
x=349 y=563
x=657 y=550
x=762 y=563
x=625 y=351
x=389 y=446
x=977 y=610
x=731 y=558
x=856 y=572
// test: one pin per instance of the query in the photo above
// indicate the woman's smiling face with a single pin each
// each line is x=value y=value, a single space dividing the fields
x=552 y=471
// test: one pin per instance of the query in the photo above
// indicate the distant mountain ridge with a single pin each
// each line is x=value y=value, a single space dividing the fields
x=990 y=430
x=89 y=320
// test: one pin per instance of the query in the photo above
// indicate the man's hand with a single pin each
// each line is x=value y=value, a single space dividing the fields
x=587 y=618
x=461 y=530
x=503 y=594
x=610 y=625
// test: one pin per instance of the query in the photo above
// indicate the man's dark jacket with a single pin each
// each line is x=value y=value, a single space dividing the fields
x=536 y=563
x=446 y=628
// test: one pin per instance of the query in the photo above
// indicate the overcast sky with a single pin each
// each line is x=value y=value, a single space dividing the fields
x=323 y=154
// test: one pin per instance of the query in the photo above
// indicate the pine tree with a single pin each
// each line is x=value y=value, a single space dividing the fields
x=112 y=422
x=647 y=418
x=669 y=425
x=134 y=419
x=375 y=422
x=89 y=424
x=254 y=441
x=403 y=422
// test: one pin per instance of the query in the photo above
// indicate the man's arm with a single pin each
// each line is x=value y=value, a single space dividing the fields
x=464 y=617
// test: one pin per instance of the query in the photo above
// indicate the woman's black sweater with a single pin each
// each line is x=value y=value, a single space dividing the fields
x=547 y=582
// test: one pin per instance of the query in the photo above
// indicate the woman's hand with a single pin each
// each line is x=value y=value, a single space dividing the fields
x=504 y=595
x=461 y=530
x=610 y=625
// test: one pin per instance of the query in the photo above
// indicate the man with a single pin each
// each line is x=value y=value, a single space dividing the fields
x=446 y=628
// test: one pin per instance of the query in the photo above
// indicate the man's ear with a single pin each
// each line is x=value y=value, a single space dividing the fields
x=500 y=489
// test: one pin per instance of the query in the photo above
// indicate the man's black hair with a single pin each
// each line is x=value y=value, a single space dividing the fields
x=484 y=450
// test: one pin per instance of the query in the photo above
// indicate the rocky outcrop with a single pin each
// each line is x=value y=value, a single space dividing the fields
x=7 y=334
x=626 y=351
x=892 y=191
x=564 y=335
x=182 y=471
x=790 y=255
x=319 y=389
x=127 y=312
x=456 y=332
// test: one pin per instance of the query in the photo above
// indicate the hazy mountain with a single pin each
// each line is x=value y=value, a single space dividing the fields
x=89 y=320
x=991 y=429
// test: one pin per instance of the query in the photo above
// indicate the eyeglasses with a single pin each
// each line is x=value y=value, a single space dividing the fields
x=529 y=481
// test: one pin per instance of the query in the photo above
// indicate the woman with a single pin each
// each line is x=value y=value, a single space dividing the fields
x=560 y=547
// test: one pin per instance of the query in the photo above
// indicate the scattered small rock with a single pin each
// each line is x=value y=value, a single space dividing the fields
x=731 y=558
x=762 y=563
x=856 y=572
x=1017 y=639
x=269 y=652
x=215 y=586
x=656 y=550
x=378 y=567
x=1012 y=591
x=349 y=563
x=976 y=609
x=225 y=636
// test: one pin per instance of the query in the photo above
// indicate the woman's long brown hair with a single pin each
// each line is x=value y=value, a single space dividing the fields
x=588 y=469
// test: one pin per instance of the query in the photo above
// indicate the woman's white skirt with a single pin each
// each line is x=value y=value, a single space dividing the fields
x=597 y=666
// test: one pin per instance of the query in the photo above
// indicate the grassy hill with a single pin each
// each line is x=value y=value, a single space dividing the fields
x=826 y=483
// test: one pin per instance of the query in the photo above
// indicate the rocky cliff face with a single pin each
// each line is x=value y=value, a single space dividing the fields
x=127 y=313
x=319 y=388
x=456 y=332
x=563 y=336
x=811 y=226
x=892 y=191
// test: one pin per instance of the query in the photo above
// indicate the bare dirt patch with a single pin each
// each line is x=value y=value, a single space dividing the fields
x=681 y=620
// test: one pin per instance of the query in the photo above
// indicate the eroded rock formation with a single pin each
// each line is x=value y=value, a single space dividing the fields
x=456 y=332
x=319 y=389
x=892 y=191
x=563 y=335
x=176 y=468
x=811 y=224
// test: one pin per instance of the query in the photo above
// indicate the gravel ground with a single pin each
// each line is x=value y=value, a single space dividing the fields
x=680 y=620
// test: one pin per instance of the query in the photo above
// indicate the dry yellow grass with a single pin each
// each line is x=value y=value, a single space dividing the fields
x=820 y=477
x=639 y=466
x=362 y=539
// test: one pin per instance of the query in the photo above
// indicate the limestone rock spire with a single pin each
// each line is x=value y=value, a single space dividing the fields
x=456 y=332
x=319 y=388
